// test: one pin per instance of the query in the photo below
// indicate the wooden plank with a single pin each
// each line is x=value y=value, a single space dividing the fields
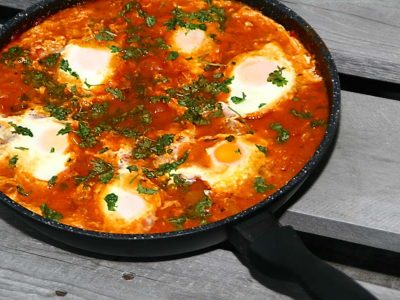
x=32 y=268
x=363 y=36
x=356 y=197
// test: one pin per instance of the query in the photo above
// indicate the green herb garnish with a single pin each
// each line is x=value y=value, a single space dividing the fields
x=52 y=181
x=143 y=190
x=21 y=130
x=172 y=55
x=105 y=35
x=238 y=100
x=301 y=114
x=260 y=186
x=65 y=130
x=283 y=134
x=66 y=68
x=111 y=200
x=49 y=213
x=22 y=191
x=277 y=78
x=262 y=149
x=117 y=93
x=13 y=161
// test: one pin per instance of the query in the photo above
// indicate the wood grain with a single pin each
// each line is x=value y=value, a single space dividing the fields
x=356 y=197
x=363 y=36
x=31 y=268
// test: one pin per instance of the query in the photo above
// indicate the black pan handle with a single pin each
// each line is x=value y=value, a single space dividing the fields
x=266 y=246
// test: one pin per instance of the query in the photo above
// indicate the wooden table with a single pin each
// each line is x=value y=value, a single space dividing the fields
x=356 y=198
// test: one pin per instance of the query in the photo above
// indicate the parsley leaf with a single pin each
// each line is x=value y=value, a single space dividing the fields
x=21 y=130
x=13 y=161
x=301 y=114
x=143 y=190
x=238 y=100
x=105 y=35
x=52 y=181
x=261 y=186
x=172 y=55
x=66 y=68
x=50 y=61
x=57 y=112
x=111 y=200
x=145 y=147
x=318 y=123
x=101 y=169
x=117 y=93
x=22 y=191
x=283 y=134
x=15 y=54
x=277 y=78
x=65 y=130
x=49 y=213
x=150 y=21
x=230 y=138
x=262 y=149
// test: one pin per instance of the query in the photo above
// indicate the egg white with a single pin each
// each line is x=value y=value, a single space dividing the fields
x=222 y=176
x=250 y=72
x=92 y=65
x=46 y=152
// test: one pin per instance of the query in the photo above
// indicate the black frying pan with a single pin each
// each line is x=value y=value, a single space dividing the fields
x=256 y=235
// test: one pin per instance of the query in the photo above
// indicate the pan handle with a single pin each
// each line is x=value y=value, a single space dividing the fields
x=266 y=246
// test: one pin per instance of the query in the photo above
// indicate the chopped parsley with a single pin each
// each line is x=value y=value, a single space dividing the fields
x=199 y=99
x=38 y=79
x=117 y=93
x=230 y=138
x=15 y=54
x=318 y=123
x=105 y=35
x=238 y=100
x=196 y=20
x=57 y=112
x=52 y=150
x=88 y=137
x=22 y=192
x=67 y=129
x=111 y=200
x=172 y=55
x=147 y=191
x=200 y=211
x=64 y=65
x=262 y=105
x=49 y=213
x=146 y=147
x=301 y=114
x=132 y=169
x=262 y=149
x=260 y=186
x=283 y=135
x=13 y=161
x=52 y=181
x=21 y=130
x=165 y=168
x=103 y=150
x=276 y=77
x=150 y=21
x=178 y=222
x=50 y=61
x=101 y=169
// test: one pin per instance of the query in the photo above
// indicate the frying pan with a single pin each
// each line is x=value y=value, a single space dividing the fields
x=261 y=242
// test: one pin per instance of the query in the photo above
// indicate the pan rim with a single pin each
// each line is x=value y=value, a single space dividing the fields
x=308 y=168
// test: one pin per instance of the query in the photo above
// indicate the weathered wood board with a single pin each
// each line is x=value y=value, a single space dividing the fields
x=356 y=197
x=363 y=35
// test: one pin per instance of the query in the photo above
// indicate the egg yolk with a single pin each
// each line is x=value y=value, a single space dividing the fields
x=227 y=153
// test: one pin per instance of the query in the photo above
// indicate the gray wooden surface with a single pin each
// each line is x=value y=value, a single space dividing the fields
x=355 y=198
x=363 y=35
